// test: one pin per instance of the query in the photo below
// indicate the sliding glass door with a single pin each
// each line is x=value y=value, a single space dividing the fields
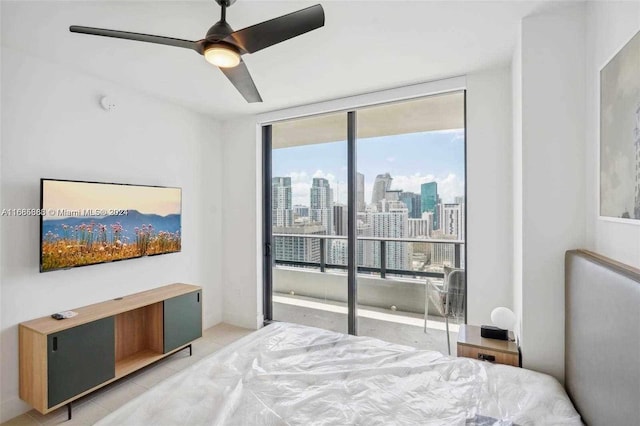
x=411 y=158
x=363 y=209
x=308 y=189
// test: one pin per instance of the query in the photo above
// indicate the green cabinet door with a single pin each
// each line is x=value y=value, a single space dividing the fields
x=182 y=320
x=80 y=358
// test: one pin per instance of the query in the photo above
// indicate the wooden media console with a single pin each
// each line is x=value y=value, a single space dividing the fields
x=62 y=360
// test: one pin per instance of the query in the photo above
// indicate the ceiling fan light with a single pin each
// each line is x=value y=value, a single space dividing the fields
x=222 y=56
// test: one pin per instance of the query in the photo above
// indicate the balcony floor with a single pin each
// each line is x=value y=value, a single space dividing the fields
x=403 y=328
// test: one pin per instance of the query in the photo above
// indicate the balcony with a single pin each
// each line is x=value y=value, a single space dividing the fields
x=312 y=289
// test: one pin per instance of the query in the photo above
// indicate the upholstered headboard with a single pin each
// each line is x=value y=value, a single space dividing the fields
x=602 y=331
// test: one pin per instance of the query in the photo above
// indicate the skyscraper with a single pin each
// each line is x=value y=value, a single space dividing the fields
x=443 y=254
x=391 y=222
x=412 y=201
x=452 y=223
x=380 y=187
x=300 y=211
x=321 y=207
x=339 y=253
x=429 y=199
x=420 y=227
x=392 y=194
x=365 y=248
x=340 y=219
x=281 y=212
x=298 y=249
x=361 y=205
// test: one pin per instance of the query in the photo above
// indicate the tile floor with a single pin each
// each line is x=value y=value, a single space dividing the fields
x=93 y=407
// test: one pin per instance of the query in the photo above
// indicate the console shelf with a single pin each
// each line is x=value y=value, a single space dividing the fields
x=61 y=361
x=136 y=361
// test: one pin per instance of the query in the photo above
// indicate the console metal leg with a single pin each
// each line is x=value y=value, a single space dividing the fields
x=69 y=411
x=190 y=350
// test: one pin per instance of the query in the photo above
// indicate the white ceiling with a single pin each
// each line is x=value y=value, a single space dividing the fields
x=365 y=46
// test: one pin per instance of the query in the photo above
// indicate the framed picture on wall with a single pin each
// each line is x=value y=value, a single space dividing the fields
x=620 y=135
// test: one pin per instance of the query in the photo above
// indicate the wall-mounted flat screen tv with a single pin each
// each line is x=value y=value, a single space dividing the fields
x=85 y=223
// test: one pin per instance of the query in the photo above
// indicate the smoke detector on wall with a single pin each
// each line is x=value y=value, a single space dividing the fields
x=107 y=103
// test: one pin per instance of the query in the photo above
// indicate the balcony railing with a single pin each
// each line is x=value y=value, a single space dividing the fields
x=383 y=270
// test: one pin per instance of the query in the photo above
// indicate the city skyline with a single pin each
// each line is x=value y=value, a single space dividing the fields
x=391 y=214
x=442 y=162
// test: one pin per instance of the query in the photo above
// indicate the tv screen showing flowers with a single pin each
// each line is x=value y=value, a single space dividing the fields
x=85 y=223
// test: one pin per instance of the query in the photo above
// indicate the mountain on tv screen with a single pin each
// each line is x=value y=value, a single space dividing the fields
x=85 y=223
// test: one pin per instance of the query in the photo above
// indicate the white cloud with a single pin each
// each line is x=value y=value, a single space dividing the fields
x=301 y=186
x=447 y=132
x=458 y=137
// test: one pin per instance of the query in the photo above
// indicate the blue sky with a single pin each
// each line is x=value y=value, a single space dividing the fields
x=411 y=159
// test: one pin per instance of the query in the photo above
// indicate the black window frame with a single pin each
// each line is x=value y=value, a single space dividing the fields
x=352 y=269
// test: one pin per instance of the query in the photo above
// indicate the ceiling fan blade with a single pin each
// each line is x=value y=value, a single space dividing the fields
x=274 y=31
x=241 y=79
x=138 y=37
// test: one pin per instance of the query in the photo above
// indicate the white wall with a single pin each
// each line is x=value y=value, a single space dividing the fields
x=489 y=193
x=241 y=216
x=489 y=255
x=552 y=176
x=516 y=96
x=610 y=25
x=52 y=126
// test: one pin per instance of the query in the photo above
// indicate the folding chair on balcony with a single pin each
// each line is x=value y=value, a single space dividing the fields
x=447 y=297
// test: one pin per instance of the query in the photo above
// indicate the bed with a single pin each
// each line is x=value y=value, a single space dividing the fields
x=602 y=338
x=289 y=374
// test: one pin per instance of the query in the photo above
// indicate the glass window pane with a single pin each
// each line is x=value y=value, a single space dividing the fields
x=411 y=206
x=309 y=212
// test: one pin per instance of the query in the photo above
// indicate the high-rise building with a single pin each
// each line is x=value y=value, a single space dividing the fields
x=298 y=249
x=361 y=205
x=300 y=211
x=391 y=222
x=321 y=207
x=420 y=227
x=443 y=254
x=637 y=143
x=365 y=248
x=340 y=219
x=429 y=200
x=429 y=216
x=281 y=211
x=388 y=205
x=380 y=187
x=412 y=201
x=393 y=194
x=452 y=220
x=338 y=253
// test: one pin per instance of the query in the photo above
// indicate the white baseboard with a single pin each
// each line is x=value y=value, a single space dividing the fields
x=242 y=320
x=12 y=407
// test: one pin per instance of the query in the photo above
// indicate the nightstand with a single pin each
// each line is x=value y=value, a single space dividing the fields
x=472 y=345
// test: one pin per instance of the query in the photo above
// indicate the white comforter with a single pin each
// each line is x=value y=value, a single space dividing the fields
x=288 y=374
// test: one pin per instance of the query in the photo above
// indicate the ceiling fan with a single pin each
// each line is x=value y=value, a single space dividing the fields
x=223 y=47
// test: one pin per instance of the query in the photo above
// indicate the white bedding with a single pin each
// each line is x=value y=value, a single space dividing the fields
x=288 y=374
